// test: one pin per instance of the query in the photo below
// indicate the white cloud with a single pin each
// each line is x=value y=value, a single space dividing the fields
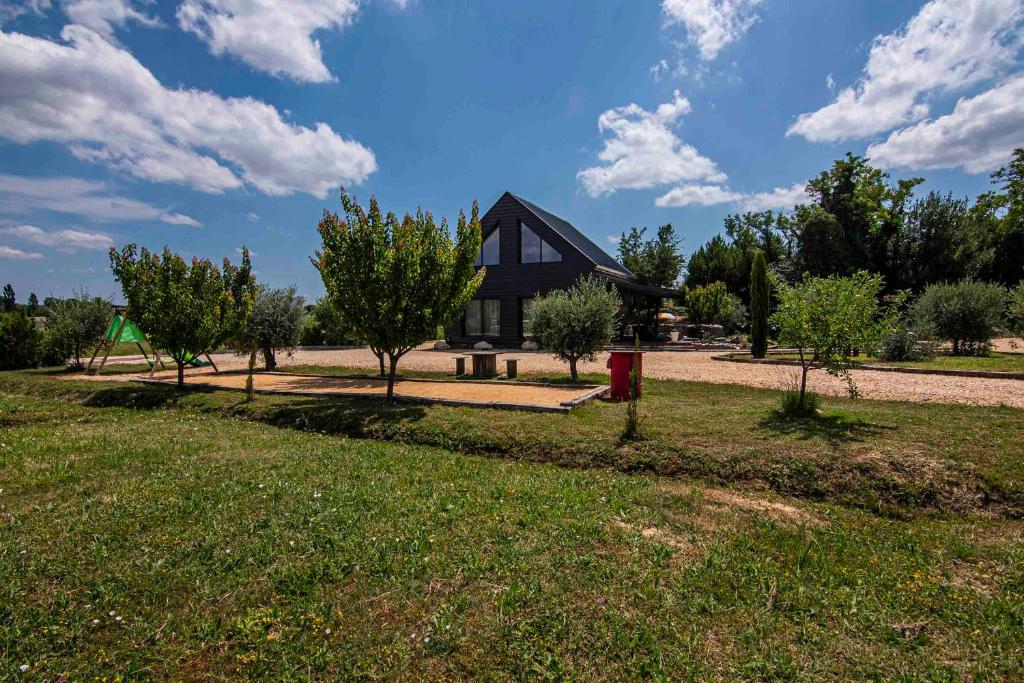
x=90 y=199
x=782 y=198
x=252 y=216
x=947 y=46
x=978 y=135
x=11 y=252
x=274 y=36
x=830 y=83
x=614 y=239
x=644 y=152
x=659 y=70
x=62 y=240
x=698 y=195
x=12 y=9
x=103 y=15
x=100 y=101
x=711 y=25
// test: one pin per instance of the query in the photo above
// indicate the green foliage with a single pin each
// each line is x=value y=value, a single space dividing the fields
x=1015 y=312
x=10 y=302
x=793 y=405
x=1008 y=254
x=33 y=304
x=656 y=261
x=632 y=429
x=184 y=308
x=760 y=294
x=322 y=326
x=73 y=326
x=731 y=261
x=966 y=313
x=905 y=344
x=393 y=282
x=19 y=341
x=275 y=323
x=710 y=305
x=576 y=323
x=826 y=319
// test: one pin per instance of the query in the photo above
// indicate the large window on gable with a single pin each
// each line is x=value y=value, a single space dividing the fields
x=490 y=250
x=532 y=249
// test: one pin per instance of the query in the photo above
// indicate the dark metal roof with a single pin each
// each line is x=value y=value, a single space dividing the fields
x=630 y=284
x=570 y=234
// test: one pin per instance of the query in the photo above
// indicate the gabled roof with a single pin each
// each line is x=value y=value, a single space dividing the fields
x=570 y=234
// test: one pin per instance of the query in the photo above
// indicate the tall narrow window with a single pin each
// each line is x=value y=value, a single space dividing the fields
x=490 y=250
x=526 y=311
x=492 y=317
x=474 y=324
x=532 y=249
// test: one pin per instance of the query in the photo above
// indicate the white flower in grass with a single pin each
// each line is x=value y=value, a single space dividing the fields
x=95 y=621
x=112 y=612
x=317 y=494
x=327 y=631
x=23 y=668
x=117 y=618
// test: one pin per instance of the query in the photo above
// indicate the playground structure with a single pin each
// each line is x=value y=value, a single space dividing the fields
x=123 y=331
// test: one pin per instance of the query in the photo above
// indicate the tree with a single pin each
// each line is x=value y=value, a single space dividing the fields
x=576 y=323
x=760 y=292
x=1008 y=261
x=33 y=303
x=656 y=261
x=966 y=313
x=9 y=300
x=185 y=308
x=1015 y=312
x=275 y=322
x=19 y=341
x=705 y=305
x=73 y=325
x=323 y=326
x=393 y=282
x=826 y=318
x=715 y=261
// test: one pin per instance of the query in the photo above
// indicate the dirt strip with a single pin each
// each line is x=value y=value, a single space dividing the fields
x=498 y=394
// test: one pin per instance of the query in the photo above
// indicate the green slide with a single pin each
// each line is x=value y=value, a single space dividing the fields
x=130 y=333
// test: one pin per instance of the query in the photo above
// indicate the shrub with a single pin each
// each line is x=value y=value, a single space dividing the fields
x=905 y=344
x=793 y=405
x=575 y=323
x=1015 y=316
x=19 y=341
x=705 y=305
x=966 y=313
x=322 y=326
x=73 y=326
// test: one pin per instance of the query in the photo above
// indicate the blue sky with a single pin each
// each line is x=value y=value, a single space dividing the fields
x=209 y=124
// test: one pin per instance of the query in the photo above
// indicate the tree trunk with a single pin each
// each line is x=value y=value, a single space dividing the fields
x=572 y=370
x=803 y=387
x=181 y=372
x=249 y=389
x=268 y=358
x=380 y=360
x=956 y=346
x=393 y=361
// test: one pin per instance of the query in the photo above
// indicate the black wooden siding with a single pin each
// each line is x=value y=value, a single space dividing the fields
x=511 y=281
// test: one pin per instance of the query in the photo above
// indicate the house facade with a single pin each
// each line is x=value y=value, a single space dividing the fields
x=528 y=251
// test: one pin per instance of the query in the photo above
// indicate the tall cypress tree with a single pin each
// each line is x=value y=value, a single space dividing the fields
x=759 y=287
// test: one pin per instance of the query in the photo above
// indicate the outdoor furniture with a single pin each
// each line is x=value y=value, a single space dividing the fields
x=511 y=368
x=485 y=363
x=460 y=366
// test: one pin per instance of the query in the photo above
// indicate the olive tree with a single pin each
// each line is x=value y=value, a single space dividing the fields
x=826 y=318
x=576 y=323
x=184 y=308
x=393 y=282
x=967 y=313
x=74 y=324
x=275 y=322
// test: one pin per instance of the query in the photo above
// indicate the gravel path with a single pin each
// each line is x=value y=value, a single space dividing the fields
x=699 y=367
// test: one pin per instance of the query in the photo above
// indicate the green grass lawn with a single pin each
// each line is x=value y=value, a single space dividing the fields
x=994 y=362
x=174 y=540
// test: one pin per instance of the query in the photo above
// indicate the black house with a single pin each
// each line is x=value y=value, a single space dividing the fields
x=528 y=251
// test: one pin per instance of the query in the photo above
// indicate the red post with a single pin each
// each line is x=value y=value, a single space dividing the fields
x=621 y=365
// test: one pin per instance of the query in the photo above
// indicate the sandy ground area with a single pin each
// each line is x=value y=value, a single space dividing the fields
x=693 y=366
x=482 y=393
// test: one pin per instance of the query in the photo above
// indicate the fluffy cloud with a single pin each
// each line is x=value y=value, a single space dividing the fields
x=269 y=35
x=711 y=25
x=978 y=135
x=947 y=46
x=86 y=198
x=103 y=15
x=644 y=152
x=63 y=240
x=698 y=195
x=11 y=252
x=12 y=9
x=100 y=101
x=780 y=198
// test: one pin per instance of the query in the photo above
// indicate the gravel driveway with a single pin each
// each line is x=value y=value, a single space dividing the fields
x=699 y=367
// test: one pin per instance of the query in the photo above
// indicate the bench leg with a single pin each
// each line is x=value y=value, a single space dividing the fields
x=460 y=367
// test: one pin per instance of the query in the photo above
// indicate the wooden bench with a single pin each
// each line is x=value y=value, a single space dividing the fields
x=511 y=368
x=460 y=366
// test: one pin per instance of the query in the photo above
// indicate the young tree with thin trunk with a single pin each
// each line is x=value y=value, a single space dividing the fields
x=760 y=290
x=186 y=309
x=393 y=282
x=825 y=318
x=574 y=324
x=73 y=325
